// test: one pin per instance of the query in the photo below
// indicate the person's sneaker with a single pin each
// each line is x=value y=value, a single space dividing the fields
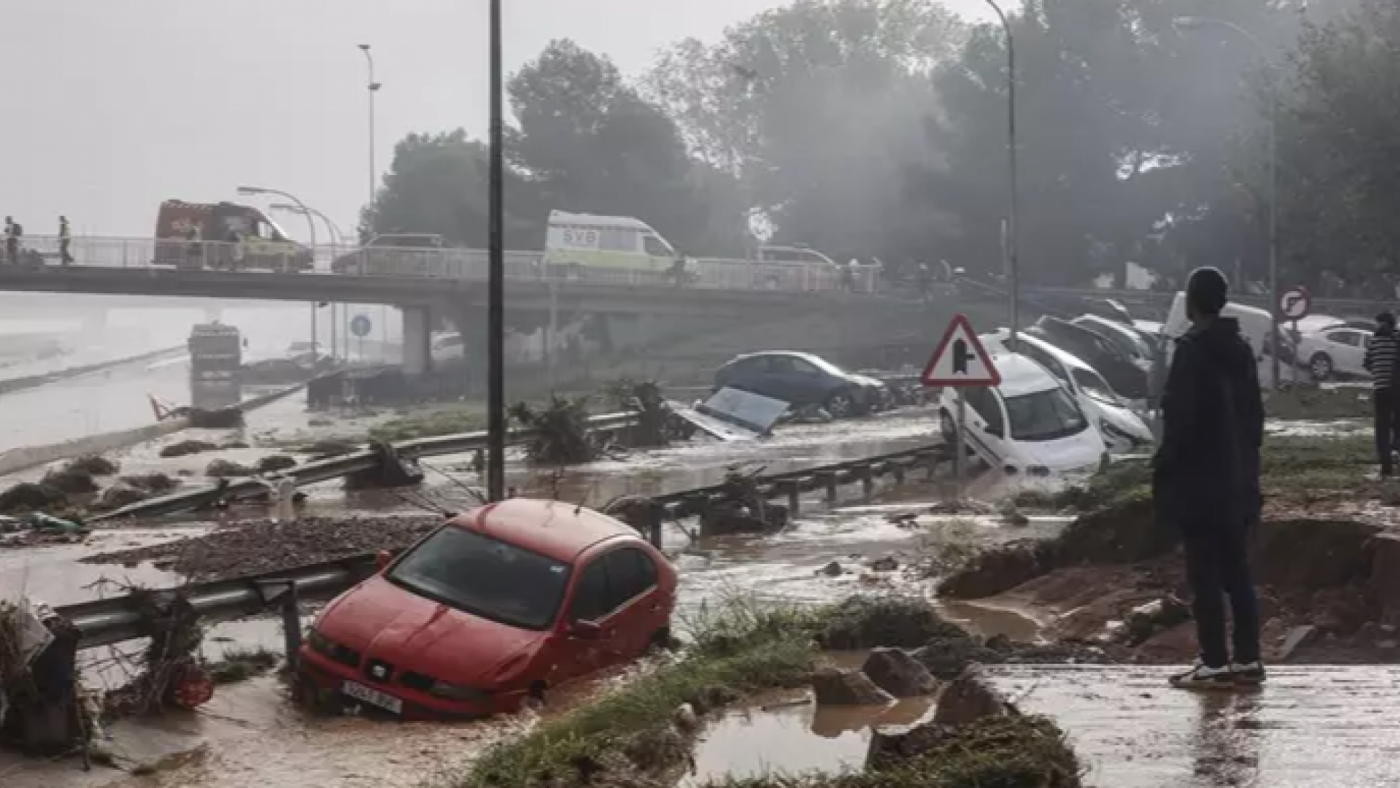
x=1250 y=674
x=1204 y=677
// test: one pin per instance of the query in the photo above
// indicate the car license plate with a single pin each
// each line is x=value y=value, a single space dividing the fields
x=369 y=695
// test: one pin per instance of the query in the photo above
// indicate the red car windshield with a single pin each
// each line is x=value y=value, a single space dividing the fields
x=484 y=577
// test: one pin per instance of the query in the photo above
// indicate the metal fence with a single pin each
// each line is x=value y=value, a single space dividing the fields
x=457 y=264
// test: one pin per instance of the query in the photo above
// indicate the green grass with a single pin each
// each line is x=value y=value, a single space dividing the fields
x=241 y=664
x=738 y=649
x=1319 y=404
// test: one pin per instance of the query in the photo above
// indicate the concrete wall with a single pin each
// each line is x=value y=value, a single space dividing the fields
x=16 y=460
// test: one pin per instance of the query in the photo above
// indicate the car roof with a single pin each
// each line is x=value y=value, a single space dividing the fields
x=1020 y=375
x=556 y=529
x=1049 y=348
x=770 y=353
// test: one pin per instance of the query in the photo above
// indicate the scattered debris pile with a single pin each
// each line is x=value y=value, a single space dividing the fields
x=740 y=506
x=561 y=435
x=391 y=471
x=657 y=424
x=170 y=672
x=35 y=529
x=186 y=448
x=42 y=711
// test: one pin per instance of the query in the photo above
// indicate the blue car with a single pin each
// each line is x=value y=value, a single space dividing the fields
x=803 y=380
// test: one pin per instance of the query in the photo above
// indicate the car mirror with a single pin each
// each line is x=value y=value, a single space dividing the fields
x=585 y=629
x=382 y=559
x=987 y=428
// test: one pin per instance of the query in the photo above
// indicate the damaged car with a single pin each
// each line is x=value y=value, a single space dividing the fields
x=494 y=608
x=804 y=381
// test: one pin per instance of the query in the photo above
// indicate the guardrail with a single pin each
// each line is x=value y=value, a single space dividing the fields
x=457 y=264
x=336 y=467
x=116 y=619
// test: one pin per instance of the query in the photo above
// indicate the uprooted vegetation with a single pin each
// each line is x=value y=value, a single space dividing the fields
x=641 y=733
x=560 y=434
x=656 y=424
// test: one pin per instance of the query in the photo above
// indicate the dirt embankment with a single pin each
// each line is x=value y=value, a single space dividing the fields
x=262 y=546
x=1326 y=560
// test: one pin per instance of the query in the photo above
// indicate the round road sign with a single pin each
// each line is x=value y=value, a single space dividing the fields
x=1294 y=303
x=360 y=326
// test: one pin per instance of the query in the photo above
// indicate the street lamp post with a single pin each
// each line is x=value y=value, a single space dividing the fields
x=336 y=236
x=373 y=88
x=311 y=228
x=495 y=321
x=1011 y=243
x=1275 y=342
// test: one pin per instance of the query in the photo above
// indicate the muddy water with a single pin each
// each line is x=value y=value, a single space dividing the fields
x=793 y=736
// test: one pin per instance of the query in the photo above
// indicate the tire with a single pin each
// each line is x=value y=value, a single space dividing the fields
x=1320 y=366
x=840 y=405
x=947 y=428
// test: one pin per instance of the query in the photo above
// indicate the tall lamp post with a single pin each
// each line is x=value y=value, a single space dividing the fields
x=1011 y=243
x=495 y=320
x=1195 y=23
x=252 y=191
x=373 y=88
x=336 y=236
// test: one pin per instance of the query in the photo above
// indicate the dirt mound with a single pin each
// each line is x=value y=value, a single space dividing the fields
x=227 y=469
x=94 y=465
x=186 y=448
x=261 y=546
x=274 y=463
x=29 y=497
x=153 y=483
x=72 y=481
x=871 y=622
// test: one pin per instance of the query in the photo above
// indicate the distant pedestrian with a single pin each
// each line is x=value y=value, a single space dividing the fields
x=65 y=240
x=1383 y=362
x=1206 y=481
x=11 y=241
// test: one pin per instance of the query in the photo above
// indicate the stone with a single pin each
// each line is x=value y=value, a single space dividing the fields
x=894 y=744
x=897 y=672
x=837 y=687
x=833 y=569
x=886 y=564
x=969 y=699
x=685 y=717
x=119 y=495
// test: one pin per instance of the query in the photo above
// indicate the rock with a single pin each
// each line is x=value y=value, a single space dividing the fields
x=997 y=571
x=886 y=564
x=832 y=569
x=948 y=657
x=224 y=469
x=685 y=717
x=186 y=448
x=1296 y=638
x=968 y=699
x=836 y=687
x=896 y=744
x=896 y=672
x=119 y=495
x=274 y=463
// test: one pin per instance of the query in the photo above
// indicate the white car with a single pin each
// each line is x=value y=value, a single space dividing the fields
x=1121 y=428
x=1335 y=351
x=1029 y=424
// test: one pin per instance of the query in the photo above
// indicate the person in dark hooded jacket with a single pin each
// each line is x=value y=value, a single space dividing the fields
x=1206 y=480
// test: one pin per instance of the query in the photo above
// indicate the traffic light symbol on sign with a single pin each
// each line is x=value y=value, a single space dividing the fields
x=960 y=357
x=960 y=360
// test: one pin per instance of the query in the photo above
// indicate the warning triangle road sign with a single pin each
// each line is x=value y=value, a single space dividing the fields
x=960 y=359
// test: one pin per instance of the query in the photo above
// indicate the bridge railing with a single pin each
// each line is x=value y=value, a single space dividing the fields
x=458 y=264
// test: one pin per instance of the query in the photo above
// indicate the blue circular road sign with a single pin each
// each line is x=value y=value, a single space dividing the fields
x=360 y=326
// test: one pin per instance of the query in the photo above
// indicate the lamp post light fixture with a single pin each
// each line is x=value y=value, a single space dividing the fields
x=253 y=191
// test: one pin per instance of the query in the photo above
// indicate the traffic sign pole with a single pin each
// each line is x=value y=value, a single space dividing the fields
x=1294 y=305
x=960 y=446
x=959 y=361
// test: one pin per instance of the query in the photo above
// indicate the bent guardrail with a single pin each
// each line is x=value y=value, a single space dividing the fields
x=119 y=618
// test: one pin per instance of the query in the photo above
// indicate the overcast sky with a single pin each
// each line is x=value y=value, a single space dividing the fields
x=114 y=105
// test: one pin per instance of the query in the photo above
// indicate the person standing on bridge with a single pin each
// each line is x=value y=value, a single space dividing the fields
x=65 y=240
x=1205 y=481
x=11 y=241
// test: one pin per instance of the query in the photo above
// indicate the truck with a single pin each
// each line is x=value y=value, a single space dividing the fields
x=216 y=364
x=225 y=236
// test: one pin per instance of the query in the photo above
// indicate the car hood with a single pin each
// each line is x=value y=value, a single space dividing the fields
x=1075 y=454
x=1122 y=419
x=383 y=621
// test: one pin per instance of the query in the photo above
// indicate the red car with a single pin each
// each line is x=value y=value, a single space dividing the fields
x=496 y=606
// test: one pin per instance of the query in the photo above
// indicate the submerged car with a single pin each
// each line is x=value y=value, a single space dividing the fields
x=1121 y=428
x=1029 y=424
x=803 y=380
x=1126 y=374
x=496 y=606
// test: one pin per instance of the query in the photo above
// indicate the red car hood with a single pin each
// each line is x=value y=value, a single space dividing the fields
x=385 y=622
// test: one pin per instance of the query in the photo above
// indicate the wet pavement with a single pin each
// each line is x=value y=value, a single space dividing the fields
x=1310 y=727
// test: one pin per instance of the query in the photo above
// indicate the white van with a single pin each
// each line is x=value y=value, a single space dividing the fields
x=578 y=242
x=1256 y=326
x=1029 y=424
x=1122 y=429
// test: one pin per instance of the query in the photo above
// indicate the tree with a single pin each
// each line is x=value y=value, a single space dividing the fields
x=812 y=107
x=592 y=144
x=439 y=184
x=1339 y=140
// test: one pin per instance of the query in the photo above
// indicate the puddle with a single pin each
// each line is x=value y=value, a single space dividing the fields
x=792 y=737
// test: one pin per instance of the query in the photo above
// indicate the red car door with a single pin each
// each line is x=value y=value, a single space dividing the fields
x=578 y=655
x=636 y=611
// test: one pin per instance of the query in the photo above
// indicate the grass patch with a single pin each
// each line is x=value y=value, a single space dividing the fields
x=240 y=664
x=428 y=425
x=738 y=649
x=996 y=752
x=1318 y=403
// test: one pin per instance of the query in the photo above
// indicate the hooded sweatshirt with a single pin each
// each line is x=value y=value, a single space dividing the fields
x=1206 y=470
